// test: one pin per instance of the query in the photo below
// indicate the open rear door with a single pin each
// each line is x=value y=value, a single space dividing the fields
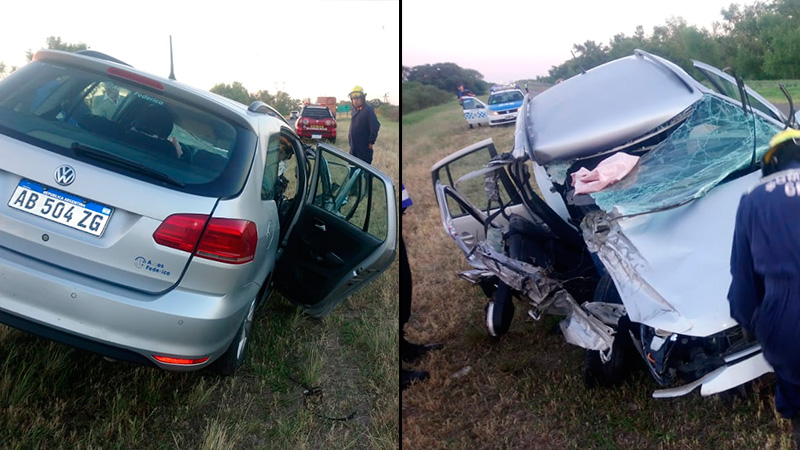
x=346 y=234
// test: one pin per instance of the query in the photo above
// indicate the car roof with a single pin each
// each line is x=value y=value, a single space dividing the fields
x=607 y=106
x=218 y=104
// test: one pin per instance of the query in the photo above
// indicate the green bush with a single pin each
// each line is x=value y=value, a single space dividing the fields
x=389 y=112
x=416 y=96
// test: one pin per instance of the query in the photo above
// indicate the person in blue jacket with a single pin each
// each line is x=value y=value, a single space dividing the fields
x=764 y=294
x=364 y=126
x=408 y=350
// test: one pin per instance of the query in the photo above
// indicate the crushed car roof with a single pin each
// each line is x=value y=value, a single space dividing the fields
x=607 y=106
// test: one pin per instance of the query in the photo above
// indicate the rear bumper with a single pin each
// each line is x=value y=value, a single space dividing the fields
x=114 y=321
x=325 y=134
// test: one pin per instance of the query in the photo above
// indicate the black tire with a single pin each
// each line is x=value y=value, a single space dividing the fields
x=499 y=311
x=616 y=371
x=470 y=126
x=234 y=356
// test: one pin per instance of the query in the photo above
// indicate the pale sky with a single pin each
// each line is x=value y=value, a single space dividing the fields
x=512 y=40
x=307 y=48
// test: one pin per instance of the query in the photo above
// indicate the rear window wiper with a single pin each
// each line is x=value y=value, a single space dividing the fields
x=85 y=150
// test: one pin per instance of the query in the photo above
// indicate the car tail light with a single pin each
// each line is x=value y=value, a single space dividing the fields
x=181 y=231
x=230 y=241
x=180 y=361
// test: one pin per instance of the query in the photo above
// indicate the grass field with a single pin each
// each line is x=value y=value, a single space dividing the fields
x=306 y=384
x=526 y=390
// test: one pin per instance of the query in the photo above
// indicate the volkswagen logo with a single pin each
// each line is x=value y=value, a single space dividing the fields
x=65 y=175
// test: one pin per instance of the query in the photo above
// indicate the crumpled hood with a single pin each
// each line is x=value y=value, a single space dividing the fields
x=672 y=268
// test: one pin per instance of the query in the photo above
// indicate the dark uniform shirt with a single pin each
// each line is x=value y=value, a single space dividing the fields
x=764 y=294
x=364 y=128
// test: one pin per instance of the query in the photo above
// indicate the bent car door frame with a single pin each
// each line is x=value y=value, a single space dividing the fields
x=345 y=235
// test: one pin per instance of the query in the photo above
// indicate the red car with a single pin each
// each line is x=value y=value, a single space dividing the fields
x=316 y=122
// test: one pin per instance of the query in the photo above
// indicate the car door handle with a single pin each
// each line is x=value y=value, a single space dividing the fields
x=320 y=225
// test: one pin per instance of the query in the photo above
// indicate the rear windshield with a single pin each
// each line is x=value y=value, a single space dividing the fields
x=505 y=97
x=126 y=128
x=316 y=113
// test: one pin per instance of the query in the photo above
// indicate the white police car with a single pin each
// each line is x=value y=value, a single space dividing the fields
x=504 y=101
x=475 y=111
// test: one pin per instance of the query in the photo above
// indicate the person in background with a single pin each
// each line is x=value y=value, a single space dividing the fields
x=764 y=294
x=106 y=104
x=408 y=351
x=364 y=126
x=463 y=93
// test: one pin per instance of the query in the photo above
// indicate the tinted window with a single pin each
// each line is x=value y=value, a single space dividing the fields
x=125 y=127
x=316 y=113
x=468 y=103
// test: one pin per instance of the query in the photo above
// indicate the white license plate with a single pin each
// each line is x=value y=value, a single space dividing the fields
x=61 y=207
x=316 y=136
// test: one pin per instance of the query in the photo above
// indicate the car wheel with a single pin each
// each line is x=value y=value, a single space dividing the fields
x=232 y=359
x=499 y=311
x=614 y=372
x=333 y=140
x=470 y=126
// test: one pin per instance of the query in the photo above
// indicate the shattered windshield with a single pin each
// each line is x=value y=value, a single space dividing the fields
x=715 y=141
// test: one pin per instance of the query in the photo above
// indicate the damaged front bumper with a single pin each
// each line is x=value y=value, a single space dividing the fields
x=738 y=369
x=692 y=350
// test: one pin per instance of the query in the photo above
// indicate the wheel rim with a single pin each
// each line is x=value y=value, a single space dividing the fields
x=247 y=326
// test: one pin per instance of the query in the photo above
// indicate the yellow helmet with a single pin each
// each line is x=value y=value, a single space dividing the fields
x=357 y=91
x=778 y=139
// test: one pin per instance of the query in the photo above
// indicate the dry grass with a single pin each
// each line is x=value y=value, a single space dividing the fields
x=307 y=384
x=526 y=390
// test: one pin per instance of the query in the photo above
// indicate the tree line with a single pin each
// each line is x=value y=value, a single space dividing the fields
x=281 y=101
x=759 y=41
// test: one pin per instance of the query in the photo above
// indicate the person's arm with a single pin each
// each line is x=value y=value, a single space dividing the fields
x=747 y=287
x=374 y=126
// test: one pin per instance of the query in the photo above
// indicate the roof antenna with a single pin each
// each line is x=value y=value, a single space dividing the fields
x=171 y=67
x=583 y=71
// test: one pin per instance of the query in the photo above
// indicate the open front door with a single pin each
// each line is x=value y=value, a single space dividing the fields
x=345 y=236
x=475 y=111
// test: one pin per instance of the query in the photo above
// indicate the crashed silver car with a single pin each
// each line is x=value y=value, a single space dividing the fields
x=640 y=267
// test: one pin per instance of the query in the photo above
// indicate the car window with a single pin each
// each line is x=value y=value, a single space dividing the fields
x=465 y=175
x=316 y=113
x=505 y=97
x=715 y=141
x=351 y=193
x=121 y=126
x=468 y=103
x=268 y=183
x=727 y=88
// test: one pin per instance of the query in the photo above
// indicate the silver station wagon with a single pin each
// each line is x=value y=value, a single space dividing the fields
x=146 y=220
